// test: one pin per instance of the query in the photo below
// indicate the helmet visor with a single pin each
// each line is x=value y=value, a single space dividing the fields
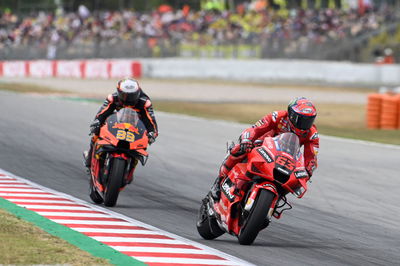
x=303 y=122
x=128 y=98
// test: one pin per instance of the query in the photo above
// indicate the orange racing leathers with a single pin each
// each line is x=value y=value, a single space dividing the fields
x=271 y=125
x=143 y=107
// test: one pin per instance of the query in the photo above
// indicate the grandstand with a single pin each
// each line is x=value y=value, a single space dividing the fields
x=354 y=30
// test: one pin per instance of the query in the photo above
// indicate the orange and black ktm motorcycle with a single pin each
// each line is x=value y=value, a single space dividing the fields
x=122 y=142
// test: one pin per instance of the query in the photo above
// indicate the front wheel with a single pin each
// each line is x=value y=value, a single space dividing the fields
x=257 y=218
x=114 y=182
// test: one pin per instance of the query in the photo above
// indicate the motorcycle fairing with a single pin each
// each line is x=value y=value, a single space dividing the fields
x=231 y=195
x=113 y=133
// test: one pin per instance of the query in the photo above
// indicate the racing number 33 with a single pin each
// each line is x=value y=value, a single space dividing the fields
x=125 y=135
x=286 y=162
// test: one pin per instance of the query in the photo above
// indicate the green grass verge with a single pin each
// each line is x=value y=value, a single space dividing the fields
x=341 y=120
x=23 y=243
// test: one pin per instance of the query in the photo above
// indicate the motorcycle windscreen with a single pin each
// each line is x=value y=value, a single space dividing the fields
x=289 y=146
x=127 y=115
x=289 y=143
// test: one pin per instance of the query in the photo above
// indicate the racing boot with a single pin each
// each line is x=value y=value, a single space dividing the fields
x=87 y=156
x=215 y=190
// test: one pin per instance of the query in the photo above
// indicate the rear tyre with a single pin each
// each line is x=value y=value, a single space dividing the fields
x=207 y=226
x=93 y=194
x=257 y=217
x=114 y=182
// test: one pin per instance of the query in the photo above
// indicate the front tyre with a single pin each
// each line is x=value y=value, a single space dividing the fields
x=114 y=181
x=257 y=217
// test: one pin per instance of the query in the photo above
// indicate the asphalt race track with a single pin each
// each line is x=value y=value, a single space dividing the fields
x=349 y=216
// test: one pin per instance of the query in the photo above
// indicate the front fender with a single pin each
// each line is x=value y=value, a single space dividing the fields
x=256 y=190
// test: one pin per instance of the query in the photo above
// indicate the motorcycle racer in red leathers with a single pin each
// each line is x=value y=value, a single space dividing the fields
x=299 y=119
x=129 y=94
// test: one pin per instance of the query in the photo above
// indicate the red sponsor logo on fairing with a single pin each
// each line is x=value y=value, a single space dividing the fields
x=125 y=126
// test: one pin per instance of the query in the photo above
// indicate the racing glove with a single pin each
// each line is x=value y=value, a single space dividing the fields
x=95 y=127
x=310 y=168
x=246 y=146
x=152 y=137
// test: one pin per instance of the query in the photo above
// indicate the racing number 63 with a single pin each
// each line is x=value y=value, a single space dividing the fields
x=125 y=135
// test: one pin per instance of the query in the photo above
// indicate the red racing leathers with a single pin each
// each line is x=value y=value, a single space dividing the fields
x=143 y=106
x=271 y=125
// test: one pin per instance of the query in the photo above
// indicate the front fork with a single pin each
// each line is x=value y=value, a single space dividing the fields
x=256 y=190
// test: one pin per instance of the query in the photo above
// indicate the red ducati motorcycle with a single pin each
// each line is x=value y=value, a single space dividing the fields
x=122 y=142
x=255 y=191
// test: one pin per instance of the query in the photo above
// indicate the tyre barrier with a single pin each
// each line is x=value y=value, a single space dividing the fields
x=374 y=111
x=96 y=68
x=383 y=111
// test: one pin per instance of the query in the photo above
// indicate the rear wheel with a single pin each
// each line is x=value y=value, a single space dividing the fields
x=207 y=226
x=114 y=182
x=256 y=219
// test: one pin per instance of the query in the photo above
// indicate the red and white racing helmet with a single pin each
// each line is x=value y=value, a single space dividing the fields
x=302 y=113
x=128 y=91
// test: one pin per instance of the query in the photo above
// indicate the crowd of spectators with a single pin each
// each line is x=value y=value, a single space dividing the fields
x=161 y=32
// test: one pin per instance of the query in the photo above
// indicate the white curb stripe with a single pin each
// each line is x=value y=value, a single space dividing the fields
x=61 y=221
x=3 y=180
x=137 y=240
x=162 y=250
x=29 y=206
x=186 y=261
x=6 y=176
x=29 y=195
x=74 y=214
x=19 y=190
x=21 y=185
x=40 y=201
x=116 y=231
